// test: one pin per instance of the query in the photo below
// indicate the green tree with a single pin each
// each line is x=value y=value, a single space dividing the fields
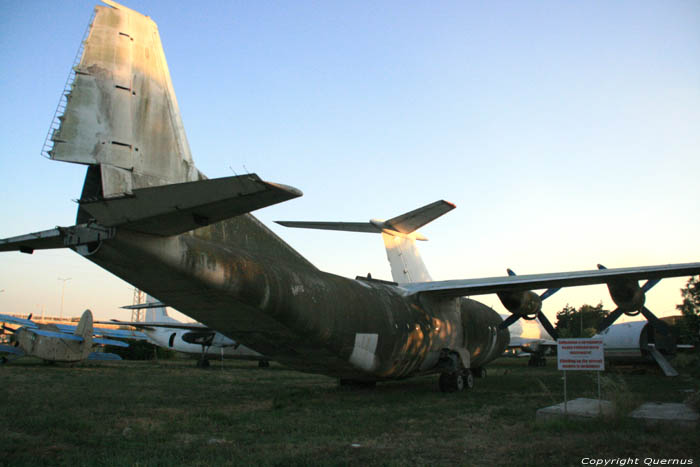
x=580 y=323
x=690 y=308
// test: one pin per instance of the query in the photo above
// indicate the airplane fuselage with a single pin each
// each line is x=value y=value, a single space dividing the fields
x=51 y=348
x=252 y=287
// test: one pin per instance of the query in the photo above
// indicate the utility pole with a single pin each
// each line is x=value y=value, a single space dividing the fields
x=138 y=314
x=63 y=292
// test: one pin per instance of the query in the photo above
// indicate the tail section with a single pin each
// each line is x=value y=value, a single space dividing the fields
x=121 y=116
x=399 y=234
x=158 y=314
x=84 y=328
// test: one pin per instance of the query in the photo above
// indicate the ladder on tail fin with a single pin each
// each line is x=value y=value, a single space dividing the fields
x=63 y=100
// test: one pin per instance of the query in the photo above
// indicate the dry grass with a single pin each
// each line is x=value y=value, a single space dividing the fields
x=171 y=413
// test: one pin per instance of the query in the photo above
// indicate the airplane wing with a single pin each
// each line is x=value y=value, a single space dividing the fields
x=58 y=335
x=101 y=341
x=468 y=287
x=11 y=350
x=161 y=210
x=106 y=332
x=22 y=322
x=160 y=324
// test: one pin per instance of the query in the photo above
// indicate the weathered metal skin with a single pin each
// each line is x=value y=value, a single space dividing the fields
x=52 y=349
x=236 y=276
x=280 y=305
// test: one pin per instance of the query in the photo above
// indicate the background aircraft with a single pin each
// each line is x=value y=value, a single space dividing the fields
x=148 y=215
x=190 y=338
x=61 y=342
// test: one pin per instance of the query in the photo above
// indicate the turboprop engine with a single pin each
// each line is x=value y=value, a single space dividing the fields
x=629 y=298
x=524 y=304
x=528 y=305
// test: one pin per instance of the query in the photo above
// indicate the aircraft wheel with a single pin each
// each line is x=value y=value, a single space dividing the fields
x=263 y=364
x=543 y=361
x=453 y=382
x=480 y=372
x=469 y=379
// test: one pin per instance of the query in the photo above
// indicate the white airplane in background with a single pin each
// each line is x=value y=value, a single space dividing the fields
x=530 y=337
x=190 y=338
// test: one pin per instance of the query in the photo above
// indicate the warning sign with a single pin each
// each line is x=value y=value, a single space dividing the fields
x=580 y=354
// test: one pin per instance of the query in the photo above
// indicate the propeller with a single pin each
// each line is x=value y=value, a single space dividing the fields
x=629 y=298
x=526 y=305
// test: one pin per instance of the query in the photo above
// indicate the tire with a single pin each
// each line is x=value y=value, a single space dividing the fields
x=453 y=382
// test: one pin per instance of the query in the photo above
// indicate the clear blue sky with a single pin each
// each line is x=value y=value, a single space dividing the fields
x=567 y=133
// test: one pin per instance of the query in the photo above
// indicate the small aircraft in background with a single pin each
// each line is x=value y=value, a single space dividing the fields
x=61 y=342
x=190 y=338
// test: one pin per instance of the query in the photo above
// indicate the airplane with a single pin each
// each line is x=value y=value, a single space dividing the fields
x=190 y=338
x=61 y=342
x=149 y=216
x=639 y=341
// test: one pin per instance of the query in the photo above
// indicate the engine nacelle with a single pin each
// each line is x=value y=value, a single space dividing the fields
x=526 y=304
x=627 y=295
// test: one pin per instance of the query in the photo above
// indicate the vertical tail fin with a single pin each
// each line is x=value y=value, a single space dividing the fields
x=157 y=314
x=84 y=328
x=121 y=116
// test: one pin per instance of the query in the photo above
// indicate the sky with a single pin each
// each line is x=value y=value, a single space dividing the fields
x=565 y=132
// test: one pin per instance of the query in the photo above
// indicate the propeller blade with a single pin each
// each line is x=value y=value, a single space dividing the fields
x=549 y=292
x=650 y=283
x=508 y=321
x=547 y=325
x=655 y=322
x=5 y=328
x=610 y=319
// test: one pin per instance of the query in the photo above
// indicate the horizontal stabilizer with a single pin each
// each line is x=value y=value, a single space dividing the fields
x=173 y=209
x=103 y=341
x=141 y=306
x=412 y=221
x=404 y=224
x=43 y=240
x=104 y=356
x=343 y=226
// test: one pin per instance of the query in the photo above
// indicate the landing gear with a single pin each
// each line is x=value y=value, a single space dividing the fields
x=203 y=363
x=537 y=360
x=263 y=364
x=456 y=381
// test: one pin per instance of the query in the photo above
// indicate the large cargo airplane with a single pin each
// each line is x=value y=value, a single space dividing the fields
x=147 y=215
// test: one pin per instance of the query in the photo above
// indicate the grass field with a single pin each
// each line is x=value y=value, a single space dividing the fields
x=171 y=413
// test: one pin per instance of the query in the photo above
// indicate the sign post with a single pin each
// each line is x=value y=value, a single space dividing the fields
x=580 y=355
